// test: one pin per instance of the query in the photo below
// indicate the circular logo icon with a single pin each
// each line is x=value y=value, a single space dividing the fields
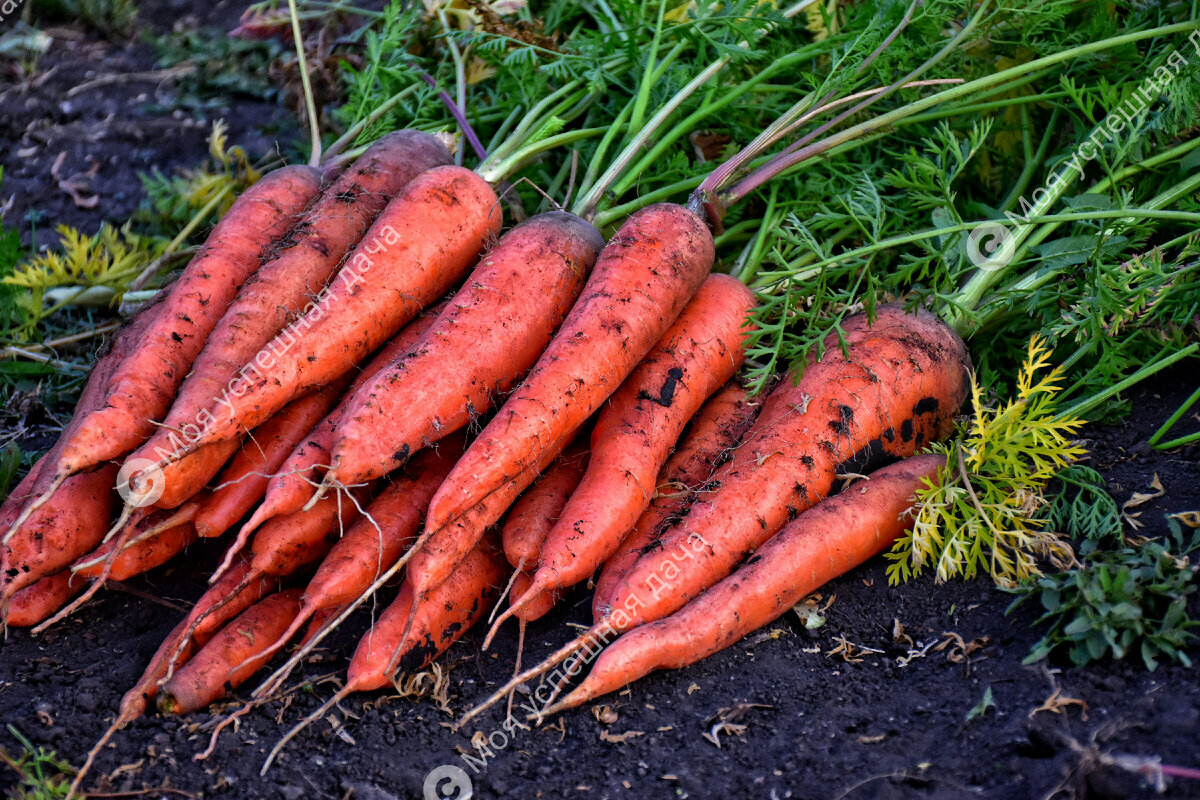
x=448 y=782
x=141 y=482
x=983 y=244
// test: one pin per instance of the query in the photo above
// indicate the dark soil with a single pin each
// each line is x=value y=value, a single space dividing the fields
x=101 y=105
x=816 y=725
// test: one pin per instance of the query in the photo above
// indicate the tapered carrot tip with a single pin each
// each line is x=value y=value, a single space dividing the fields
x=578 y=697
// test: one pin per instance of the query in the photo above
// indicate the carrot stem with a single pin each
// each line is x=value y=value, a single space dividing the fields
x=310 y=105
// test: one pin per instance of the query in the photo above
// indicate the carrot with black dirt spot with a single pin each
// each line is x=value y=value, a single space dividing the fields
x=140 y=391
x=636 y=430
x=281 y=288
x=711 y=436
x=642 y=280
x=895 y=389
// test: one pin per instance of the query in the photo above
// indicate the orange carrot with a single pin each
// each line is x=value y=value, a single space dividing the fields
x=295 y=481
x=144 y=555
x=281 y=288
x=896 y=390
x=716 y=429
x=141 y=389
x=642 y=280
x=38 y=601
x=540 y=601
x=34 y=492
x=821 y=544
x=408 y=641
x=68 y=525
x=376 y=541
x=479 y=347
x=225 y=599
x=532 y=516
x=420 y=246
x=437 y=553
x=231 y=656
x=244 y=479
x=636 y=431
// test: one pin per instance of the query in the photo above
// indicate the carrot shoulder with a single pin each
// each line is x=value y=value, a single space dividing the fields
x=821 y=544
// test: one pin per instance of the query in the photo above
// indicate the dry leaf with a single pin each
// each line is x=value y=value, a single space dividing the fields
x=1057 y=703
x=1141 y=498
x=617 y=738
x=604 y=714
x=714 y=734
x=1188 y=518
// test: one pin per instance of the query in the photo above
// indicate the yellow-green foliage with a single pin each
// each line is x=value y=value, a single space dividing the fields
x=111 y=258
x=982 y=511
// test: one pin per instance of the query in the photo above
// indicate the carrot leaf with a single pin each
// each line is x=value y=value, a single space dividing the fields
x=983 y=513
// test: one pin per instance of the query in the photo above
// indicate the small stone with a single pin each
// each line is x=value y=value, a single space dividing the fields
x=291 y=792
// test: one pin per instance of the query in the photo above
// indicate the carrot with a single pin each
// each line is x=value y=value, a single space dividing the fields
x=479 y=347
x=37 y=601
x=231 y=656
x=374 y=543
x=282 y=286
x=540 y=601
x=821 y=544
x=295 y=481
x=635 y=432
x=70 y=524
x=419 y=247
x=710 y=438
x=285 y=544
x=224 y=600
x=437 y=553
x=532 y=516
x=642 y=280
x=408 y=636
x=244 y=479
x=141 y=389
x=147 y=553
x=895 y=390
x=37 y=491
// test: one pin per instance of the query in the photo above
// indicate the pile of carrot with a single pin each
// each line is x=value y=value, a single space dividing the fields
x=363 y=376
